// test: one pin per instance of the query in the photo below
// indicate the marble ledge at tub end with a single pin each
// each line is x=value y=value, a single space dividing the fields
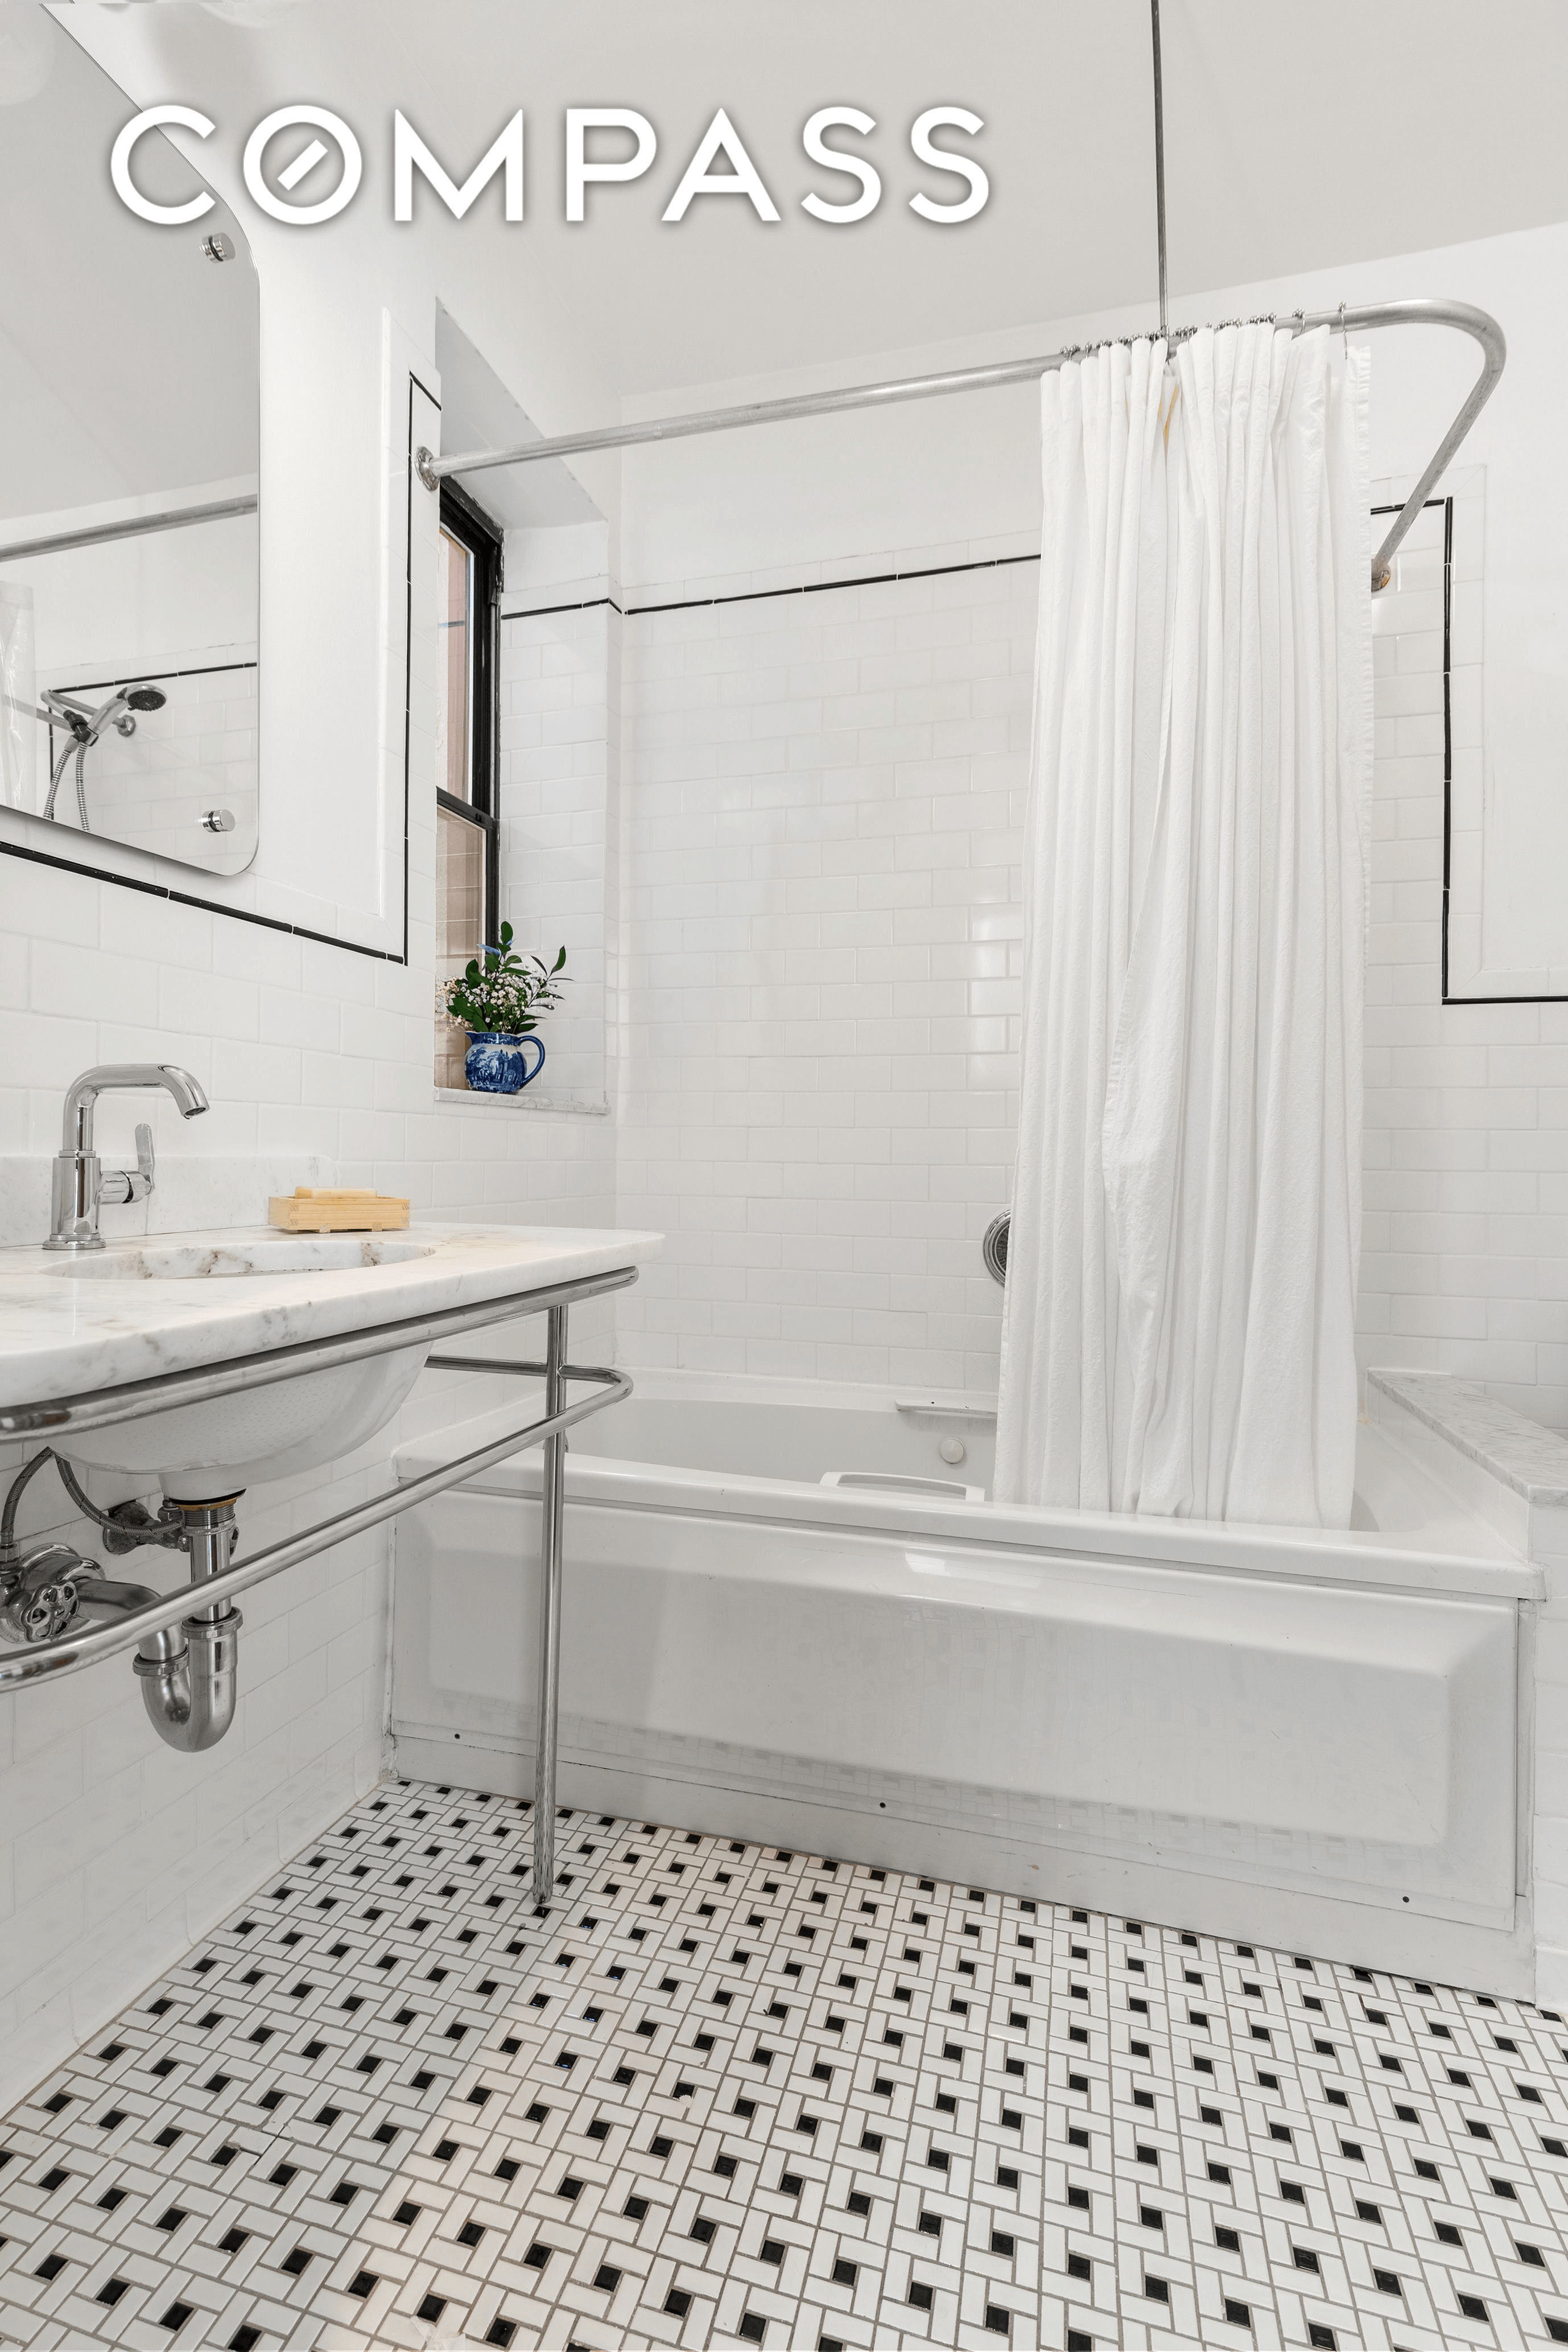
x=1511 y=1469
x=1520 y=1454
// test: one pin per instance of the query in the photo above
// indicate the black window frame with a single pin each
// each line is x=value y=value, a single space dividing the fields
x=473 y=529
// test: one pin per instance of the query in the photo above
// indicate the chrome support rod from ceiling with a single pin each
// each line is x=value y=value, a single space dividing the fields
x=1417 y=312
x=1159 y=160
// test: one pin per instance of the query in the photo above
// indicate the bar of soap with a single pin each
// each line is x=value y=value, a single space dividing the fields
x=336 y=1208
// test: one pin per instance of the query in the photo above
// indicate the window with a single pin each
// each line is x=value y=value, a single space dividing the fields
x=469 y=585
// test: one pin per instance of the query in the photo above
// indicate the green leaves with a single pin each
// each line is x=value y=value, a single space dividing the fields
x=507 y=990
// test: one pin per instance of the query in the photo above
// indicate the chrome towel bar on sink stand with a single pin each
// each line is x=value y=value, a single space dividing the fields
x=144 y=1622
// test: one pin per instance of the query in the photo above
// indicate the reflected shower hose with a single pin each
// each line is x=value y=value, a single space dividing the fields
x=73 y=743
x=118 y=712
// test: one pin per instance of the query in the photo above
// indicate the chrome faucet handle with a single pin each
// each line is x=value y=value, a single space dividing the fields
x=120 y=1185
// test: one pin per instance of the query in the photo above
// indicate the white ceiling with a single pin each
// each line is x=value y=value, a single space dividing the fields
x=1297 y=138
x=479 y=412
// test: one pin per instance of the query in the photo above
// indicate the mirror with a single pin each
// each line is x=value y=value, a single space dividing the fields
x=128 y=479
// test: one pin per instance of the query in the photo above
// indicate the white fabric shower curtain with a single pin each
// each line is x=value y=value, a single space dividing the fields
x=1182 y=1265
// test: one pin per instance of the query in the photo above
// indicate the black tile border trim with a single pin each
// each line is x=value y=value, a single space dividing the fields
x=993 y=563
x=583 y=604
x=1444 y=997
x=186 y=899
x=762 y=595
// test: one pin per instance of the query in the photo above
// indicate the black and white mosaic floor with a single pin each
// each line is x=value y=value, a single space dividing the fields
x=724 y=2095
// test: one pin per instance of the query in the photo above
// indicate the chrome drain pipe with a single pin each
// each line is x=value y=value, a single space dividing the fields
x=190 y=1691
x=189 y=1672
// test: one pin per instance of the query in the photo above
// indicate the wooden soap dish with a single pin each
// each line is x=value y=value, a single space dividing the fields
x=336 y=1208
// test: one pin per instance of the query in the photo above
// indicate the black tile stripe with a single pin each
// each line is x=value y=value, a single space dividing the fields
x=764 y=595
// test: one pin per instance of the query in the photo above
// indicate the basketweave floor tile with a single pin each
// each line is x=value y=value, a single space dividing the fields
x=724 y=2095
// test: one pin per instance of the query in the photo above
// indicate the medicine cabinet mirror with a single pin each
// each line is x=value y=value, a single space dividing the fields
x=128 y=481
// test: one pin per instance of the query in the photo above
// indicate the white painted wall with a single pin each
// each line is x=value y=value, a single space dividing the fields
x=329 y=855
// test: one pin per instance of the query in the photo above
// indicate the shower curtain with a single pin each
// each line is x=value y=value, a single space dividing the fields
x=1182 y=1265
x=19 y=742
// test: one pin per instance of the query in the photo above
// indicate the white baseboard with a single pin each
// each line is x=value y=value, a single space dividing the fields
x=1482 y=1960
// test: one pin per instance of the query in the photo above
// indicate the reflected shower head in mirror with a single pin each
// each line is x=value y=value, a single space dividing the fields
x=86 y=726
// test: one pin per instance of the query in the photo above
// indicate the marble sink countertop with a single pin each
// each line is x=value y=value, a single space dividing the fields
x=63 y=1332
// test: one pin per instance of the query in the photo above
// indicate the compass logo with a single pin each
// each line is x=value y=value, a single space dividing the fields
x=601 y=146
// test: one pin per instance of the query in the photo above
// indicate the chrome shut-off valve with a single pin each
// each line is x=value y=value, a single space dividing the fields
x=42 y=1593
x=189 y=1671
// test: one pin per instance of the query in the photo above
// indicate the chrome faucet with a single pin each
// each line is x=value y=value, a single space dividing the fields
x=80 y=1186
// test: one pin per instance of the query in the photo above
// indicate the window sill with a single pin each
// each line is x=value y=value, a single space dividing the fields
x=574 y=1106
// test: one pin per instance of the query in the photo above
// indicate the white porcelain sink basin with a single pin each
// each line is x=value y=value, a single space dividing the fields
x=246 y=1256
x=273 y=1431
x=203 y=1451
x=73 y=1327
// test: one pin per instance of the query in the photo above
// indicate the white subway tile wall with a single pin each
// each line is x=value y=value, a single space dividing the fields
x=1465 y=1263
x=823 y=802
x=559 y=748
x=824 y=828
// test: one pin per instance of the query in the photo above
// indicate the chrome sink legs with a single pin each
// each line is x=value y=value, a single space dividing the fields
x=555 y=1372
x=552 y=1507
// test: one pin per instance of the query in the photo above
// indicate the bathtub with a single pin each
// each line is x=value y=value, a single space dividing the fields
x=793 y=1614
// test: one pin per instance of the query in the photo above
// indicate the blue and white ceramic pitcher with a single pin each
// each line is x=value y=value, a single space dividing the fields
x=497 y=1062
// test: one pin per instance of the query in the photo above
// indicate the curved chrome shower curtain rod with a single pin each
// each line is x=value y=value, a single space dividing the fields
x=433 y=471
